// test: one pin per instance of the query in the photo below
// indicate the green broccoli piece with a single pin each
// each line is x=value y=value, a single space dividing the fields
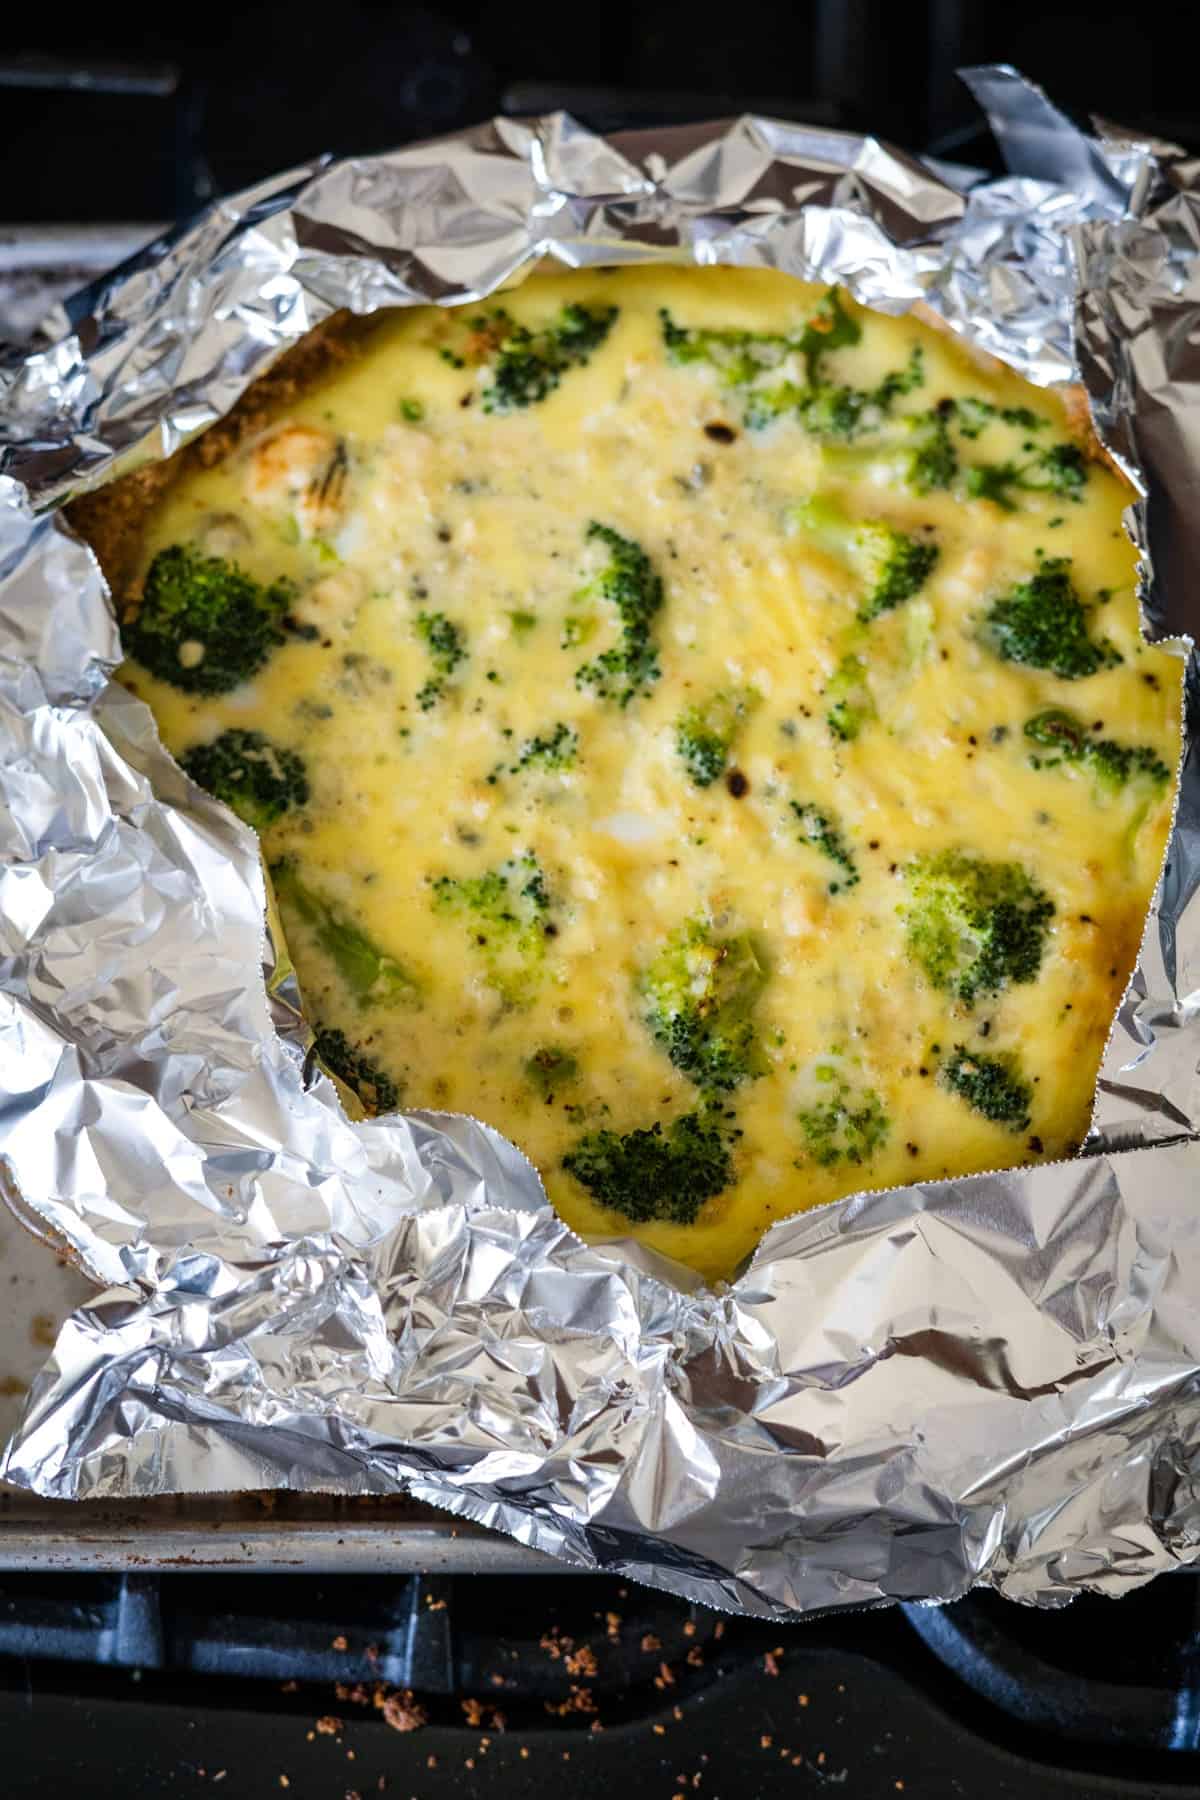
x=898 y=382
x=1059 y=730
x=556 y=750
x=990 y=1084
x=370 y=974
x=832 y=412
x=825 y=408
x=527 y=365
x=852 y=704
x=704 y=733
x=1061 y=469
x=973 y=413
x=818 y=829
x=202 y=623
x=1113 y=764
x=845 y=1124
x=255 y=777
x=930 y=460
x=1043 y=623
x=742 y=356
x=444 y=641
x=550 y=1069
x=914 y=450
x=652 y=1174
x=377 y=1090
x=699 y=995
x=889 y=566
x=507 y=911
x=994 y=482
x=629 y=583
x=974 y=926
x=835 y=413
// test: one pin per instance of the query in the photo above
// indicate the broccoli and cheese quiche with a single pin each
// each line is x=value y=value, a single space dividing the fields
x=693 y=723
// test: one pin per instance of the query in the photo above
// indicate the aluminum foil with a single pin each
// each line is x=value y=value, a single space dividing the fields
x=994 y=1380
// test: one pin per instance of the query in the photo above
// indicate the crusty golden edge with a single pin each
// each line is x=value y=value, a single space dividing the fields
x=112 y=519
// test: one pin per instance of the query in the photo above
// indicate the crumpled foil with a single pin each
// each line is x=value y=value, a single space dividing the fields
x=993 y=1380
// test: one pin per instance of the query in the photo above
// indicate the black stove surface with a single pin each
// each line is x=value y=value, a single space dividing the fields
x=506 y=1685
x=137 y=111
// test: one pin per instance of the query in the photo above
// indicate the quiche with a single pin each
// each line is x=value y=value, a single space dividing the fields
x=693 y=723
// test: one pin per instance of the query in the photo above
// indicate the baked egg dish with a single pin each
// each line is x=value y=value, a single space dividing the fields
x=694 y=723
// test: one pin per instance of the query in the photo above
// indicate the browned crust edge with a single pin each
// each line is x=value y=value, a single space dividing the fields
x=113 y=518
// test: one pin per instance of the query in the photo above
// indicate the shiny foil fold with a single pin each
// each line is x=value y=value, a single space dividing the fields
x=993 y=1380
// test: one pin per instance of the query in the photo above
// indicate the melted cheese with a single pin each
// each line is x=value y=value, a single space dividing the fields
x=443 y=507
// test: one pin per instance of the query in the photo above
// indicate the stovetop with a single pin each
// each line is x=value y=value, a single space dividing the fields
x=140 y=112
x=510 y=1685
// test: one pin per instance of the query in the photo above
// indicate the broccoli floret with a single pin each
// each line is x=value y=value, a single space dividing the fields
x=255 y=777
x=837 y=414
x=930 y=459
x=846 y=1124
x=825 y=408
x=830 y=328
x=914 y=451
x=994 y=482
x=550 y=1069
x=370 y=974
x=699 y=995
x=556 y=750
x=1043 y=623
x=1069 y=741
x=527 y=365
x=446 y=649
x=1056 y=729
x=203 y=624
x=629 y=583
x=376 y=1089
x=1060 y=469
x=507 y=913
x=990 y=1084
x=973 y=413
x=900 y=381
x=741 y=356
x=652 y=1174
x=851 y=703
x=818 y=829
x=889 y=566
x=833 y=412
x=902 y=566
x=974 y=926
x=704 y=734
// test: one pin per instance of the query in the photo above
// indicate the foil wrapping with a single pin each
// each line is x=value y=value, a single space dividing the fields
x=993 y=1380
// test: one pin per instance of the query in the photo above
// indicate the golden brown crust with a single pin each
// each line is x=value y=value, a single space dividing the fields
x=113 y=518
